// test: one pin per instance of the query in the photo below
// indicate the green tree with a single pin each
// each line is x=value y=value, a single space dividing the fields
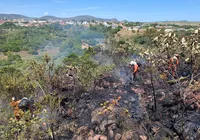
x=88 y=70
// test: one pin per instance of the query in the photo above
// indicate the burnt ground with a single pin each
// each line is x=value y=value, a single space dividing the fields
x=84 y=106
x=82 y=118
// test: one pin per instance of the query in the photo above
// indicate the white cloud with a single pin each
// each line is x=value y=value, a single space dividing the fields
x=46 y=13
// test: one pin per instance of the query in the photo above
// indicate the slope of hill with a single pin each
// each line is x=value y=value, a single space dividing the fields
x=76 y=18
x=89 y=18
x=12 y=16
x=50 y=18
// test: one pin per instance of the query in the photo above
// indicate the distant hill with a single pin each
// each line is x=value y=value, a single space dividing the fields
x=49 y=17
x=12 y=16
x=79 y=18
x=90 y=18
x=181 y=22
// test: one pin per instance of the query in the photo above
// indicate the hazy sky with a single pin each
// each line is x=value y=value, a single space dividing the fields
x=134 y=10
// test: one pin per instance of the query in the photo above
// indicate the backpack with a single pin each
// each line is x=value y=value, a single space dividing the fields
x=139 y=64
x=24 y=104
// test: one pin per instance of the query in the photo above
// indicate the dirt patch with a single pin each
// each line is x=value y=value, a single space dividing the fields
x=3 y=57
x=50 y=51
x=24 y=54
x=125 y=34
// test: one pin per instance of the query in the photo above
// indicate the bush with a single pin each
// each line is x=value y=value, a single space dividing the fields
x=12 y=57
x=142 y=40
x=33 y=52
x=15 y=49
x=122 y=41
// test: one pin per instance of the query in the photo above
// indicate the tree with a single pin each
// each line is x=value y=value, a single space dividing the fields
x=88 y=70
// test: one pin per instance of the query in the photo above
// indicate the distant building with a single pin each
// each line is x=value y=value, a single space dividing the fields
x=105 y=24
x=69 y=22
x=150 y=27
x=28 y=24
x=34 y=21
x=2 y=22
x=78 y=23
x=129 y=28
x=62 y=23
x=85 y=23
x=20 y=24
x=168 y=30
x=114 y=26
x=135 y=29
x=42 y=21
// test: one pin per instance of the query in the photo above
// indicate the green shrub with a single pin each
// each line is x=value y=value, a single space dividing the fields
x=33 y=52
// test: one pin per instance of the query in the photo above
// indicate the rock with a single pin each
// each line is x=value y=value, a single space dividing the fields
x=143 y=137
x=91 y=133
x=86 y=111
x=91 y=106
x=106 y=123
x=160 y=95
x=81 y=103
x=83 y=131
x=112 y=127
x=88 y=101
x=127 y=135
x=111 y=134
x=132 y=110
x=90 y=138
x=86 y=94
x=96 y=129
x=190 y=129
x=103 y=137
x=115 y=85
x=96 y=117
x=118 y=136
x=132 y=99
x=81 y=113
x=138 y=90
x=77 y=138
x=126 y=102
x=100 y=137
x=106 y=84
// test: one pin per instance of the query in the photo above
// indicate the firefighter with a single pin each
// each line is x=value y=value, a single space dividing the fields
x=173 y=64
x=134 y=69
x=18 y=113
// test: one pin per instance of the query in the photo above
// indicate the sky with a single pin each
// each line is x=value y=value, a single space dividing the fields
x=131 y=10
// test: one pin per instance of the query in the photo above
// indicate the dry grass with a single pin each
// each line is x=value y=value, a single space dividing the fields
x=125 y=34
x=3 y=57
x=50 y=52
x=24 y=54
